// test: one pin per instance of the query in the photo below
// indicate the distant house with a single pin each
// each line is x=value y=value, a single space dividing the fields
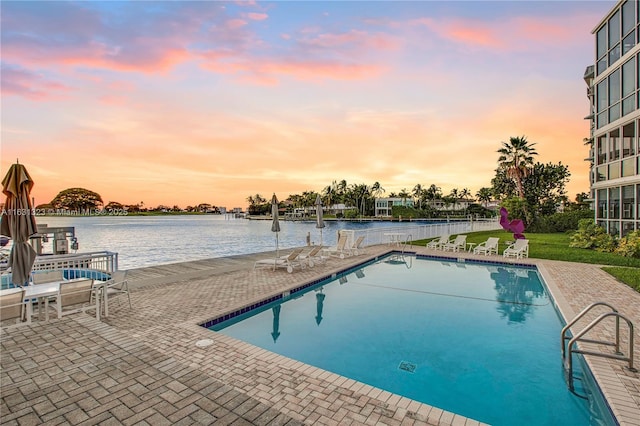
x=384 y=206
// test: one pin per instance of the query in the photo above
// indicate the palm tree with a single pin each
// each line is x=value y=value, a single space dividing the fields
x=484 y=195
x=377 y=189
x=516 y=159
x=417 y=193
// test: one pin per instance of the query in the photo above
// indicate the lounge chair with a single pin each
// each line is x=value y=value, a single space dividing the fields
x=487 y=247
x=438 y=243
x=314 y=256
x=12 y=307
x=519 y=249
x=340 y=249
x=357 y=248
x=76 y=296
x=290 y=261
x=455 y=244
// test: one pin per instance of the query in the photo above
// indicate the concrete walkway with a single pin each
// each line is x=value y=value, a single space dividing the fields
x=142 y=366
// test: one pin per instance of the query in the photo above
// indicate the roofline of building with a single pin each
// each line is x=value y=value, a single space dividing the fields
x=607 y=16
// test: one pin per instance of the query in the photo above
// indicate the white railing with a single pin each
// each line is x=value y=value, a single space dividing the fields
x=103 y=261
x=420 y=232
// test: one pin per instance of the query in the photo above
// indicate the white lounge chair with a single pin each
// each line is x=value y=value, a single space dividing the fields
x=290 y=261
x=456 y=244
x=438 y=243
x=487 y=247
x=519 y=249
x=313 y=257
x=340 y=249
x=357 y=248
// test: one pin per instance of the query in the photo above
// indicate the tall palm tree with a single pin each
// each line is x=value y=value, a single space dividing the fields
x=484 y=195
x=516 y=159
x=417 y=193
x=377 y=189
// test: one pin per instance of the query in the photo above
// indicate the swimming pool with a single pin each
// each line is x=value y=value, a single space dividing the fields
x=480 y=340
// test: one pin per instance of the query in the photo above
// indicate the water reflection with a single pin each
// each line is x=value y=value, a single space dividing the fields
x=319 y=305
x=516 y=290
x=276 y=323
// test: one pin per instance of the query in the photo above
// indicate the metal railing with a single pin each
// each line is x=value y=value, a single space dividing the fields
x=426 y=231
x=567 y=354
x=103 y=261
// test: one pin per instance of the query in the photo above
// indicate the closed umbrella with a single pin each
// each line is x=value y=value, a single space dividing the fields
x=319 y=219
x=275 y=226
x=18 y=222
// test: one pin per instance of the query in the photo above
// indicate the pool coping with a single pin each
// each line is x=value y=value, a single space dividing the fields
x=619 y=401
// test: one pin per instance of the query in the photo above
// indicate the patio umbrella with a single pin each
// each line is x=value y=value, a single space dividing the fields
x=18 y=222
x=275 y=226
x=319 y=219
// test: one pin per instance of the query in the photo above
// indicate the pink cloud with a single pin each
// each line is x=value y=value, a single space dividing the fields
x=257 y=16
x=28 y=84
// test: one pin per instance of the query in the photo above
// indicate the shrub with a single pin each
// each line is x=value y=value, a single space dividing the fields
x=560 y=222
x=351 y=214
x=629 y=246
x=592 y=236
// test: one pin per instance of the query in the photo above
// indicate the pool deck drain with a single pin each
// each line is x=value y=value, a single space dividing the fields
x=143 y=366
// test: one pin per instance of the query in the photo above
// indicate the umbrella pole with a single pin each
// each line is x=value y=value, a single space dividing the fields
x=320 y=236
x=277 y=253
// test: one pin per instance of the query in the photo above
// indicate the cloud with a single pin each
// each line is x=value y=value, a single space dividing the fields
x=17 y=81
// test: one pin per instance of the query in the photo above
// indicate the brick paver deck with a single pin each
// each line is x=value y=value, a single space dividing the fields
x=142 y=366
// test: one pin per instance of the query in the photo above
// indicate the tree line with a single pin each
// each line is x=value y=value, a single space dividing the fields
x=528 y=189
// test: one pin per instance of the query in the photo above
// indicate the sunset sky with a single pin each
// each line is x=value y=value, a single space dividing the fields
x=210 y=102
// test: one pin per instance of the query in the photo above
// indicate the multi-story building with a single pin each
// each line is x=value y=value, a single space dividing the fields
x=383 y=206
x=613 y=84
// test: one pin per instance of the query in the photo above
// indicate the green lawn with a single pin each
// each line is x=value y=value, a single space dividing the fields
x=556 y=247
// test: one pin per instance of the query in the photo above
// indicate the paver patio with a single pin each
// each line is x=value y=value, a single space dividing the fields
x=142 y=366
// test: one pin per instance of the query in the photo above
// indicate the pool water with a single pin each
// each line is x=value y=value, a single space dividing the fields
x=479 y=340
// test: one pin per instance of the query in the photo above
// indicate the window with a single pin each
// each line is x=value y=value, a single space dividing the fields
x=614 y=145
x=614 y=87
x=603 y=118
x=614 y=170
x=628 y=78
x=637 y=202
x=602 y=203
x=628 y=202
x=629 y=104
x=614 y=228
x=601 y=40
x=628 y=16
x=614 y=29
x=628 y=167
x=627 y=227
x=601 y=173
x=603 y=102
x=628 y=140
x=628 y=42
x=614 y=203
x=602 y=151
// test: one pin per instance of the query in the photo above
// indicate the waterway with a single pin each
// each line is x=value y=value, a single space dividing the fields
x=155 y=240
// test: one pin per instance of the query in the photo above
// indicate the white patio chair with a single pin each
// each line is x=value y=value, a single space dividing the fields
x=47 y=277
x=340 y=249
x=289 y=262
x=456 y=244
x=76 y=296
x=487 y=247
x=438 y=243
x=313 y=257
x=13 y=307
x=118 y=285
x=519 y=249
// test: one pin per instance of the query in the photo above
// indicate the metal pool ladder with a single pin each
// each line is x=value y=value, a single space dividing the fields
x=569 y=350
